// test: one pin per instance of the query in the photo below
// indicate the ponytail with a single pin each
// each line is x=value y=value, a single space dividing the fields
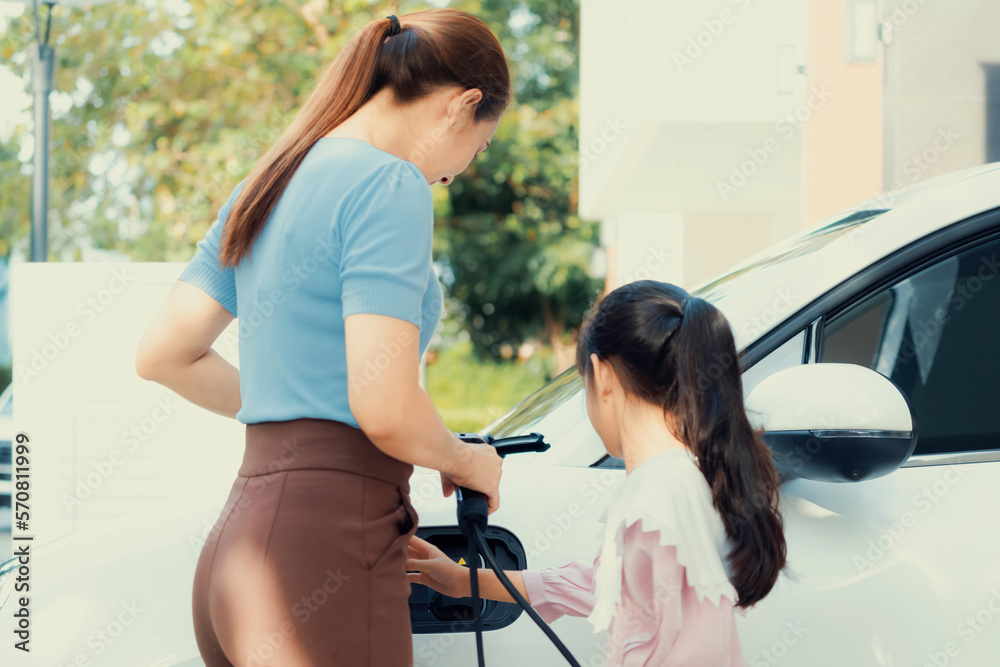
x=434 y=48
x=677 y=351
x=711 y=419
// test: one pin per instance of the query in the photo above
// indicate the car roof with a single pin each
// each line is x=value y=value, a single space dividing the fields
x=765 y=289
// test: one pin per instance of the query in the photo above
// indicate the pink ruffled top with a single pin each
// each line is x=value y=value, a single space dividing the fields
x=666 y=600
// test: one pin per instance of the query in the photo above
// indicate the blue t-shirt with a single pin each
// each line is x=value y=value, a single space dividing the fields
x=350 y=234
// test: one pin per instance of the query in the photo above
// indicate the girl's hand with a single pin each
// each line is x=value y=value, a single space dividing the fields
x=435 y=569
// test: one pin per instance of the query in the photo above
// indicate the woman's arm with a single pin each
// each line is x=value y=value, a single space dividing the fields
x=176 y=350
x=397 y=414
x=385 y=269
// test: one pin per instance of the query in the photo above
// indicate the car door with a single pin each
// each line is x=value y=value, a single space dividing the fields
x=903 y=569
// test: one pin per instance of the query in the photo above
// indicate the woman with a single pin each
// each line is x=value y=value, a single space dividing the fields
x=337 y=302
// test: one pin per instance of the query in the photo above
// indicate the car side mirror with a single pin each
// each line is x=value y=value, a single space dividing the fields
x=833 y=422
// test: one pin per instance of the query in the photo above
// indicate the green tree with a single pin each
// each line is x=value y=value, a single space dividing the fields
x=518 y=252
x=172 y=104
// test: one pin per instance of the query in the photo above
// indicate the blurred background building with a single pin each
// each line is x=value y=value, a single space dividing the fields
x=711 y=130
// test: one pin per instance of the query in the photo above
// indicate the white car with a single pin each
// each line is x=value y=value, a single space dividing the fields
x=890 y=504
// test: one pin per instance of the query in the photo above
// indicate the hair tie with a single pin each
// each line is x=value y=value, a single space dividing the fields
x=683 y=304
x=395 y=25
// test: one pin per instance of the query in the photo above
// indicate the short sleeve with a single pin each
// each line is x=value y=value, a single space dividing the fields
x=557 y=591
x=386 y=245
x=204 y=270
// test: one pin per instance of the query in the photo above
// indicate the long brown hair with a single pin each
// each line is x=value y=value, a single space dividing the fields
x=677 y=351
x=435 y=48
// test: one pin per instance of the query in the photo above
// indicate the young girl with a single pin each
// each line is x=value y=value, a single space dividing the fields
x=694 y=529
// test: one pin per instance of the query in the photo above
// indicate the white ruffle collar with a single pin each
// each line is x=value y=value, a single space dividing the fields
x=668 y=493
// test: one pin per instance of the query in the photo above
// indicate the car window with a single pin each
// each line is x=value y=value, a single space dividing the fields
x=786 y=355
x=934 y=334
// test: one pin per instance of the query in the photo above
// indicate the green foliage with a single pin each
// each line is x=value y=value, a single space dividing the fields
x=518 y=252
x=169 y=111
x=470 y=394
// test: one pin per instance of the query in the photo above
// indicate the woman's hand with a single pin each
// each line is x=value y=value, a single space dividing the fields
x=435 y=569
x=480 y=471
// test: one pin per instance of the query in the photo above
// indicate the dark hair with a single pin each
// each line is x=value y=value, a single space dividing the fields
x=677 y=351
x=435 y=48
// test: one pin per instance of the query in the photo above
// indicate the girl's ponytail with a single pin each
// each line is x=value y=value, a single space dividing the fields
x=674 y=350
x=711 y=419
x=435 y=48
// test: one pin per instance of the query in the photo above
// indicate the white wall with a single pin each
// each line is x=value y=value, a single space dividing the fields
x=647 y=65
x=676 y=100
x=104 y=442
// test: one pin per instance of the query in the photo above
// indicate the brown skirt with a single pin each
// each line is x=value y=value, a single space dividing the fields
x=305 y=564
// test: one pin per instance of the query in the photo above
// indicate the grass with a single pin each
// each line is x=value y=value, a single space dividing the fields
x=469 y=393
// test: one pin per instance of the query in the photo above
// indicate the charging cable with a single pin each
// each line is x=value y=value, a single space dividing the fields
x=473 y=510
